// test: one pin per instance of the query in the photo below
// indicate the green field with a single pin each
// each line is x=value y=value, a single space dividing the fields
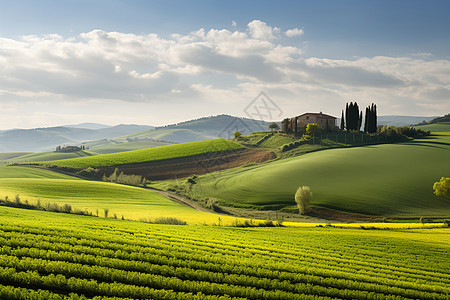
x=137 y=156
x=388 y=180
x=439 y=127
x=23 y=172
x=127 y=146
x=50 y=155
x=58 y=256
x=123 y=201
x=33 y=185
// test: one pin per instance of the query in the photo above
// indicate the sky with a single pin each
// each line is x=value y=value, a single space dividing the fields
x=162 y=62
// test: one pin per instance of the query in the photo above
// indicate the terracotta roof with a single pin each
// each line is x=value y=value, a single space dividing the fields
x=320 y=115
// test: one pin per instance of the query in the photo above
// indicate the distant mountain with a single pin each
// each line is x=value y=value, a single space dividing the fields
x=93 y=126
x=41 y=139
x=401 y=120
x=223 y=126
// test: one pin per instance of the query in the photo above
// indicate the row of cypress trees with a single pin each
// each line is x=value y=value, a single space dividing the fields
x=353 y=118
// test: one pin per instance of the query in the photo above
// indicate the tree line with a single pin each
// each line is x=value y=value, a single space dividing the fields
x=352 y=119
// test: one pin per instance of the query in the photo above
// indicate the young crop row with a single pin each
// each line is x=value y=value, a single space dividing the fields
x=221 y=257
x=177 y=265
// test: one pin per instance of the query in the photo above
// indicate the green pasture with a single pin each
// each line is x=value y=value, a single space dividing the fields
x=18 y=172
x=126 y=146
x=387 y=179
x=144 y=155
x=438 y=127
x=46 y=156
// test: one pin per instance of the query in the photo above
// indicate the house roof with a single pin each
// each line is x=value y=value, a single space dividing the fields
x=318 y=115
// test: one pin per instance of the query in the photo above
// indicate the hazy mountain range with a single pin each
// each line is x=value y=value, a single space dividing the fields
x=41 y=139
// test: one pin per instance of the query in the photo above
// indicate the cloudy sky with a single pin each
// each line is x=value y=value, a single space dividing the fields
x=160 y=62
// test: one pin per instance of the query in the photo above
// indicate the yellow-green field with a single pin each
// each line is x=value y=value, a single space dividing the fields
x=132 y=203
x=47 y=255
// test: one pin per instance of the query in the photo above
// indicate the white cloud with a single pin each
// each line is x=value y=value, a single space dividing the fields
x=108 y=66
x=233 y=23
x=294 y=32
x=260 y=30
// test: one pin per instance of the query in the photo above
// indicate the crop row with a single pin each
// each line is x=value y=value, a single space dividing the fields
x=220 y=257
x=331 y=280
x=264 y=280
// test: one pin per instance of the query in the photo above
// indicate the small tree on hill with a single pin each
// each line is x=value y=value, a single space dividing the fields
x=237 y=135
x=274 y=126
x=442 y=187
x=303 y=197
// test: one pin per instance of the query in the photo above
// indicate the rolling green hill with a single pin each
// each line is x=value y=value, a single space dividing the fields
x=24 y=172
x=33 y=185
x=126 y=146
x=48 y=155
x=137 y=156
x=389 y=180
x=437 y=127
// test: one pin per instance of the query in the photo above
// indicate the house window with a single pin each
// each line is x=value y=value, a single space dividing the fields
x=307 y=117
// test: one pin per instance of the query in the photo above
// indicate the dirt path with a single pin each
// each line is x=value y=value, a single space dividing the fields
x=179 y=199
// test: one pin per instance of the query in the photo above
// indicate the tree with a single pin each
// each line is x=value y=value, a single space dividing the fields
x=303 y=197
x=237 y=135
x=285 y=125
x=274 y=126
x=312 y=129
x=342 y=121
x=442 y=187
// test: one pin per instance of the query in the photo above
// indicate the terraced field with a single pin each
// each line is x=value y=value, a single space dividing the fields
x=57 y=256
x=387 y=180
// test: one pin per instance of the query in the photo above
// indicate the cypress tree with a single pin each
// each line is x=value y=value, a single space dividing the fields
x=342 y=121
x=366 y=120
x=359 y=121
x=375 y=125
x=346 y=117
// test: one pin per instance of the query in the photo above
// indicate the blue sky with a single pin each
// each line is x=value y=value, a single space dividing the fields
x=157 y=62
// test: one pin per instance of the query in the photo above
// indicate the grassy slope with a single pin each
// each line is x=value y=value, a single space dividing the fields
x=158 y=153
x=391 y=179
x=49 y=155
x=127 y=146
x=131 y=202
x=23 y=172
x=439 y=127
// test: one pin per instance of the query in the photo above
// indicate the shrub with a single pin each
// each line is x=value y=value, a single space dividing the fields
x=168 y=220
x=303 y=196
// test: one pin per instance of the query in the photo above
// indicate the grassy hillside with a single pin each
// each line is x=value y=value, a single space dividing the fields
x=390 y=179
x=48 y=155
x=137 y=156
x=438 y=127
x=51 y=255
x=133 y=203
x=24 y=172
x=127 y=146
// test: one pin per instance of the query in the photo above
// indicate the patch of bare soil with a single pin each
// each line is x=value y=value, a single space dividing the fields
x=193 y=165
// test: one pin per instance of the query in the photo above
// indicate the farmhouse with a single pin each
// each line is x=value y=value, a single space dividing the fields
x=298 y=123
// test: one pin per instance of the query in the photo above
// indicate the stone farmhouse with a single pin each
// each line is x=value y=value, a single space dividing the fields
x=298 y=123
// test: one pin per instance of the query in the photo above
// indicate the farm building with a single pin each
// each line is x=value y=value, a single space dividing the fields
x=298 y=123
